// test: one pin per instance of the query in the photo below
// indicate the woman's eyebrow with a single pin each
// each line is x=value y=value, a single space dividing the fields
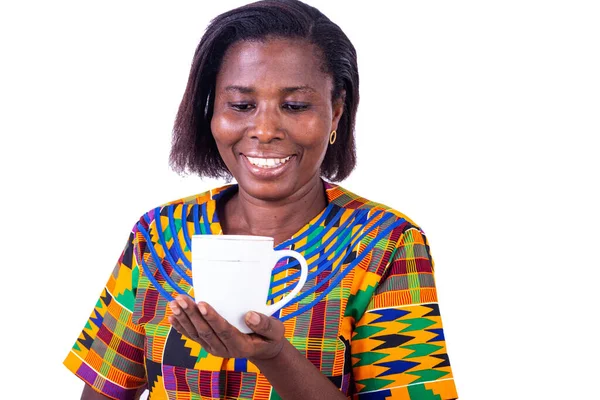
x=286 y=90
x=240 y=89
x=304 y=89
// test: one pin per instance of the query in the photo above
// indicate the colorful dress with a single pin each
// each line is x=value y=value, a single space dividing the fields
x=367 y=318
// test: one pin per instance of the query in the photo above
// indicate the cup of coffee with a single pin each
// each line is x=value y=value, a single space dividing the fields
x=232 y=273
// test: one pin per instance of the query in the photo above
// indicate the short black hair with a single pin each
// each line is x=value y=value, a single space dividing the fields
x=194 y=149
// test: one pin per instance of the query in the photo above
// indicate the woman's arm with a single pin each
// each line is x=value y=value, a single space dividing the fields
x=288 y=371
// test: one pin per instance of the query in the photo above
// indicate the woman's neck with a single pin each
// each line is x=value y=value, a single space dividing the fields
x=243 y=214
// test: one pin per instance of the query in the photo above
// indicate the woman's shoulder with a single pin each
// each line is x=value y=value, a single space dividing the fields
x=200 y=198
x=189 y=205
x=384 y=230
x=346 y=199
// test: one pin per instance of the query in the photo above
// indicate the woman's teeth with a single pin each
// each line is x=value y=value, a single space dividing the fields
x=268 y=162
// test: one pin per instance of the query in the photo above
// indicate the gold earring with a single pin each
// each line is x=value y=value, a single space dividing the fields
x=332 y=137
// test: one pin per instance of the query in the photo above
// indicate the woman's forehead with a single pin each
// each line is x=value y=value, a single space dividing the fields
x=273 y=62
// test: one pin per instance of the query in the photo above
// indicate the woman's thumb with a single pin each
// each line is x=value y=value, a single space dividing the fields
x=260 y=324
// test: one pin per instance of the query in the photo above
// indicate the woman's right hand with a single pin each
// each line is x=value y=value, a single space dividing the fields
x=201 y=323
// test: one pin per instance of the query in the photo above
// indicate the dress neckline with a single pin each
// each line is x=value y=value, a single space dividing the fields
x=229 y=190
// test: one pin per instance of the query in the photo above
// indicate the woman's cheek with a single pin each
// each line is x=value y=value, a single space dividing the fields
x=226 y=128
x=314 y=132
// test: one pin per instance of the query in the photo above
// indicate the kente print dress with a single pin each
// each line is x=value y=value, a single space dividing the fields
x=367 y=318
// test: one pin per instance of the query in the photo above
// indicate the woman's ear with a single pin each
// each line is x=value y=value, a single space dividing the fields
x=338 y=109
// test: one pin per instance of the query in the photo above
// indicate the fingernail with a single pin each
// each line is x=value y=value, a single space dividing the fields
x=253 y=318
x=182 y=303
x=174 y=308
x=202 y=309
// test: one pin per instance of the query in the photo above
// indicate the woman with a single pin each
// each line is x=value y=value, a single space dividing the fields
x=271 y=100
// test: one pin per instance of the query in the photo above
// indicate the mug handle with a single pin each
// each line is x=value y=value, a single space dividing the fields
x=279 y=254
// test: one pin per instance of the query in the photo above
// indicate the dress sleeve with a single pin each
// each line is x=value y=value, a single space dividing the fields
x=398 y=348
x=109 y=353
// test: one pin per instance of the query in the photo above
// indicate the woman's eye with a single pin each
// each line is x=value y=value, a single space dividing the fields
x=242 y=106
x=295 y=106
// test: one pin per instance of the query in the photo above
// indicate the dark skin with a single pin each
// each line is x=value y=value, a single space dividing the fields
x=272 y=102
x=272 y=99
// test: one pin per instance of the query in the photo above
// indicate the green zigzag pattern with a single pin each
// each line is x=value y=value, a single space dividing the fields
x=374 y=384
x=416 y=324
x=365 y=331
x=422 y=393
x=421 y=349
x=427 y=375
x=368 y=358
x=126 y=299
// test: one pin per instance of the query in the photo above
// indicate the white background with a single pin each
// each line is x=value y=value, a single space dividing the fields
x=477 y=119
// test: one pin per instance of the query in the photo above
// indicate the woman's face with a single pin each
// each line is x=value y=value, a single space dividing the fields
x=273 y=114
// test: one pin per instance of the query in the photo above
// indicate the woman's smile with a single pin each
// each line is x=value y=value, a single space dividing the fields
x=273 y=115
x=267 y=162
x=267 y=167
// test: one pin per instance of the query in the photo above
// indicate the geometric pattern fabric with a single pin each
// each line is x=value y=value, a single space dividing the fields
x=367 y=317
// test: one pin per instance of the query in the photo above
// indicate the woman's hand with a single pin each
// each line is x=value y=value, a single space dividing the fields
x=201 y=323
x=290 y=373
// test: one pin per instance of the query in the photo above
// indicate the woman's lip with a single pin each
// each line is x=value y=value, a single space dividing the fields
x=266 y=173
x=263 y=155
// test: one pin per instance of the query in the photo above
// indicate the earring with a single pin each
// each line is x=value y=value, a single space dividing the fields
x=332 y=137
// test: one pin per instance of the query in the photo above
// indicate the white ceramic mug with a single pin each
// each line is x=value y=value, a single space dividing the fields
x=232 y=273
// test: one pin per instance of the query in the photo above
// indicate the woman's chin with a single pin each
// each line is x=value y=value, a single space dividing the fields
x=268 y=190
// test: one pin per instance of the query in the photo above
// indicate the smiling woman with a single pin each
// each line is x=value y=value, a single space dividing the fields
x=271 y=101
x=273 y=114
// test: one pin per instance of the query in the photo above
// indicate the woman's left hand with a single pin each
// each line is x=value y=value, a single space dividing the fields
x=201 y=323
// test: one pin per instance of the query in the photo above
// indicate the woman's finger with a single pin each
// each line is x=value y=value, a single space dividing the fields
x=270 y=335
x=183 y=323
x=178 y=308
x=182 y=331
x=175 y=323
x=234 y=341
x=268 y=327
x=203 y=329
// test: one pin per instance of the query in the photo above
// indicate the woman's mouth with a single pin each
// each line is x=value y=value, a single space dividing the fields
x=268 y=162
x=268 y=167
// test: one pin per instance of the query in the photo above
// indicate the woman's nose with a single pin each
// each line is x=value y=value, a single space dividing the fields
x=266 y=125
